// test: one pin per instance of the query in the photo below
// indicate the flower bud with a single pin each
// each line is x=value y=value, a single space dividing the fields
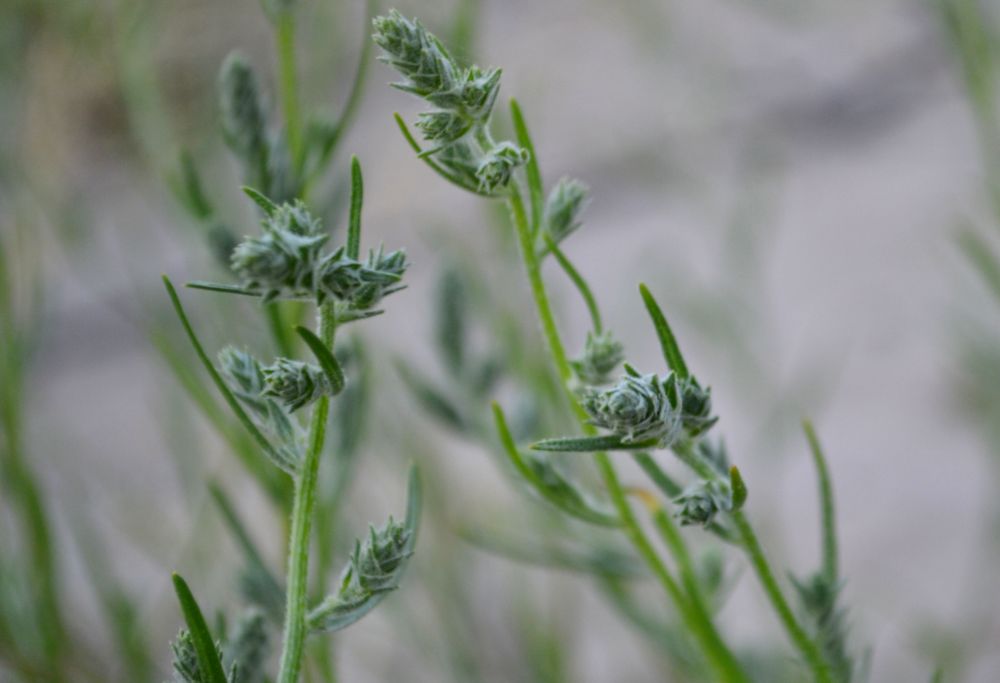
x=563 y=208
x=479 y=92
x=283 y=260
x=443 y=126
x=638 y=408
x=416 y=54
x=700 y=502
x=496 y=168
x=696 y=407
x=295 y=383
x=377 y=561
x=244 y=123
x=601 y=355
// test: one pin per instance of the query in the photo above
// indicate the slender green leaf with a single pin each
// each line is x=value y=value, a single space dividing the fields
x=826 y=504
x=209 y=663
x=578 y=280
x=739 y=488
x=326 y=359
x=357 y=199
x=536 y=192
x=221 y=287
x=549 y=484
x=440 y=170
x=671 y=351
x=220 y=383
x=587 y=444
x=260 y=200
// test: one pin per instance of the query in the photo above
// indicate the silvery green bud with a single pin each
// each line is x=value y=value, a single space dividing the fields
x=185 y=659
x=563 y=208
x=498 y=165
x=283 y=260
x=443 y=126
x=700 y=502
x=462 y=161
x=601 y=355
x=242 y=372
x=638 y=408
x=416 y=54
x=696 y=407
x=376 y=561
x=246 y=650
x=295 y=383
x=244 y=124
x=479 y=92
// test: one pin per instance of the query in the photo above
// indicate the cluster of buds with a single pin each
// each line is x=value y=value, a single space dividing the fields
x=638 y=408
x=651 y=408
x=295 y=383
x=463 y=96
x=287 y=261
x=602 y=353
x=701 y=501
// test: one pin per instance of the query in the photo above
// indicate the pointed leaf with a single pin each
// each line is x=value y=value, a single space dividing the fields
x=208 y=656
x=587 y=444
x=357 y=199
x=260 y=200
x=220 y=383
x=221 y=287
x=558 y=491
x=534 y=175
x=326 y=359
x=671 y=351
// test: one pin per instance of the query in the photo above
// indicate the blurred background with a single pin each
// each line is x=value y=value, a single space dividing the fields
x=810 y=189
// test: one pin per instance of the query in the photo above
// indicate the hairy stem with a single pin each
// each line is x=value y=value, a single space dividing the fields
x=302 y=512
x=558 y=352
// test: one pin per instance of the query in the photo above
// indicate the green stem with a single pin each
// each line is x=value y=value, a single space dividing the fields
x=302 y=513
x=608 y=474
x=699 y=605
x=807 y=648
x=288 y=84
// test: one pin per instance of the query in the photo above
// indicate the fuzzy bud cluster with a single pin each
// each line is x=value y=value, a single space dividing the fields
x=294 y=383
x=700 y=502
x=464 y=98
x=602 y=353
x=638 y=408
x=563 y=208
x=287 y=261
x=696 y=402
x=376 y=562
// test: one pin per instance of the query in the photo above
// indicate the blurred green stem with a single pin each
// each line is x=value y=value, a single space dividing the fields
x=288 y=84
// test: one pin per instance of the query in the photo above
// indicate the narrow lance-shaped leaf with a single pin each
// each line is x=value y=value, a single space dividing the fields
x=209 y=664
x=554 y=488
x=326 y=359
x=227 y=394
x=588 y=444
x=534 y=174
x=671 y=351
x=263 y=202
x=357 y=199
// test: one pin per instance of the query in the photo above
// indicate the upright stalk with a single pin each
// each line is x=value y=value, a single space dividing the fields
x=288 y=84
x=303 y=505
x=716 y=652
